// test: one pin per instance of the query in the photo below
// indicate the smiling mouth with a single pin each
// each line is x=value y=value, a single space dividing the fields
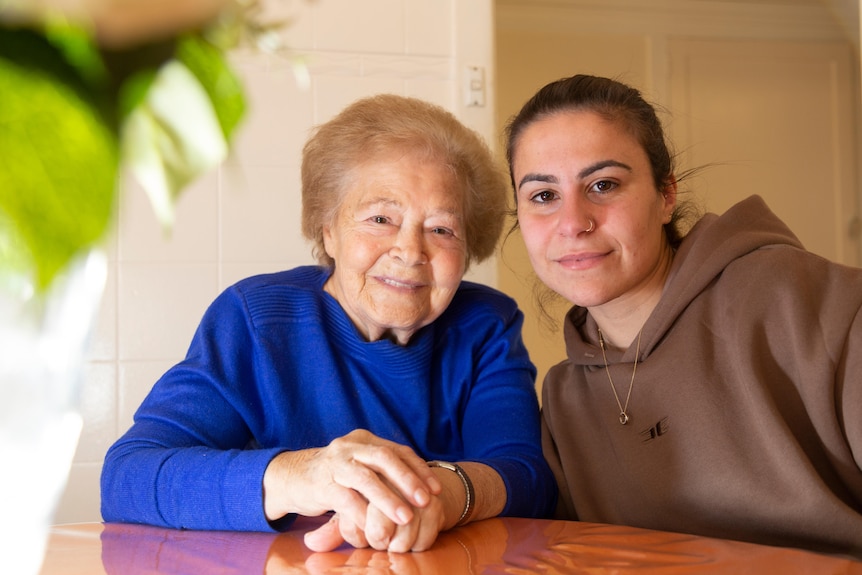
x=400 y=284
x=580 y=260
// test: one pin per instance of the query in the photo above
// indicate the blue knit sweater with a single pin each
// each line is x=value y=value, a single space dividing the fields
x=277 y=365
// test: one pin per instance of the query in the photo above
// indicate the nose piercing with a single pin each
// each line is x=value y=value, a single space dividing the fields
x=591 y=228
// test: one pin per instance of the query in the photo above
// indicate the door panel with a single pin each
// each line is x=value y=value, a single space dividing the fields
x=774 y=119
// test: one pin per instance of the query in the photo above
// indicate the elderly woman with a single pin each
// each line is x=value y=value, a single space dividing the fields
x=378 y=385
x=714 y=379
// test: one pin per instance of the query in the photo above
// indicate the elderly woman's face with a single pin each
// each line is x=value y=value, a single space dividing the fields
x=399 y=247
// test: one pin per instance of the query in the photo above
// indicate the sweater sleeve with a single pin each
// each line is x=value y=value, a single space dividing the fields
x=184 y=463
x=501 y=424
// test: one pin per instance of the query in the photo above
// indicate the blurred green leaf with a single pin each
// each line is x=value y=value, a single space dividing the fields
x=209 y=66
x=58 y=157
x=131 y=70
x=79 y=51
x=65 y=103
x=181 y=128
x=172 y=138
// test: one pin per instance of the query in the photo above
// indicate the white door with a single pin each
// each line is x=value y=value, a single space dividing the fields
x=777 y=119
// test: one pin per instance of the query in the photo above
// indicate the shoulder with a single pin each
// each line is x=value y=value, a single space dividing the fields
x=794 y=276
x=478 y=299
x=747 y=226
x=784 y=293
x=293 y=292
x=747 y=249
x=300 y=277
x=479 y=312
x=783 y=264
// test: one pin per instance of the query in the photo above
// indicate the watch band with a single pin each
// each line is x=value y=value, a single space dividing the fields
x=470 y=501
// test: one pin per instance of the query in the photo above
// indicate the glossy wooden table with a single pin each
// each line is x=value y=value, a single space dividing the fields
x=514 y=546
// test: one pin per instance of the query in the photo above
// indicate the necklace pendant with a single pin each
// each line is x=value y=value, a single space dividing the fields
x=624 y=417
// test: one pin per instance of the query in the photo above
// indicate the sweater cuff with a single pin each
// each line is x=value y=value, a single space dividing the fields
x=528 y=493
x=242 y=493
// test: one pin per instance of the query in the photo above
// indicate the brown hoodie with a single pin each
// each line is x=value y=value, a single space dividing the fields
x=746 y=411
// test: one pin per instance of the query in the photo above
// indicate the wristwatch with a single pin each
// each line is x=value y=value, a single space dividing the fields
x=470 y=501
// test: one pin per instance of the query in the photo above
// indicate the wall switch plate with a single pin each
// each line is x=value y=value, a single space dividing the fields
x=475 y=86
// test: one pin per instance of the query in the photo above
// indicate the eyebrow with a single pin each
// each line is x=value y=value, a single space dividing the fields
x=537 y=178
x=601 y=165
x=587 y=171
x=378 y=200
x=445 y=211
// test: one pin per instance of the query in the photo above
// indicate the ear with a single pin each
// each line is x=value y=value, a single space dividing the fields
x=328 y=240
x=669 y=196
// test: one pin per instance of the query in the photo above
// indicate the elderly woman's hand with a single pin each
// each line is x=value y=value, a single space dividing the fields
x=380 y=532
x=418 y=535
x=441 y=513
x=351 y=474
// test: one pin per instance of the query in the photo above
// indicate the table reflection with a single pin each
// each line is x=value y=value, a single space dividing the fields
x=504 y=545
x=138 y=549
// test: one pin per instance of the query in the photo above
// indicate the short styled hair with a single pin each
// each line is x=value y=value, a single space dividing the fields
x=379 y=126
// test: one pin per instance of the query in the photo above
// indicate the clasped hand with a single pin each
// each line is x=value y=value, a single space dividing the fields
x=383 y=494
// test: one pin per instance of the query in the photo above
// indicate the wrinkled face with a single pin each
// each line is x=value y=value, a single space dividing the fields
x=398 y=244
x=573 y=168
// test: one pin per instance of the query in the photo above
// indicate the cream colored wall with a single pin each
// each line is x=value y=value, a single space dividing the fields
x=243 y=219
x=639 y=42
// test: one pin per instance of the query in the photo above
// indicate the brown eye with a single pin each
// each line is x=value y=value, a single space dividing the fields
x=543 y=197
x=603 y=186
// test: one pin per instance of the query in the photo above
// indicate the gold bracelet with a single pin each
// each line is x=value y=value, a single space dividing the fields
x=470 y=502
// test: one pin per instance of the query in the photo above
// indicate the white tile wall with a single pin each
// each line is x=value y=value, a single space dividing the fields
x=244 y=218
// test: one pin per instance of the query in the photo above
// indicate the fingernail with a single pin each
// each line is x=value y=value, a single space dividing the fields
x=421 y=497
x=404 y=515
x=435 y=485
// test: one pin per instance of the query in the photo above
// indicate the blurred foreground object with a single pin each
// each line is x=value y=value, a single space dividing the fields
x=88 y=88
x=91 y=87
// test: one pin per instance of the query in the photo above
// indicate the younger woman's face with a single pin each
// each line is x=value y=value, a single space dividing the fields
x=589 y=212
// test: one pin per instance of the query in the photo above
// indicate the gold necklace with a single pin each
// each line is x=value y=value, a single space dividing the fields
x=624 y=417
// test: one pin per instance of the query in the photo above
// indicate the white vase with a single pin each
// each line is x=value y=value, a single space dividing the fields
x=43 y=342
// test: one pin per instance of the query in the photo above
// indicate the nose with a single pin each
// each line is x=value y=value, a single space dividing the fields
x=409 y=246
x=574 y=218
